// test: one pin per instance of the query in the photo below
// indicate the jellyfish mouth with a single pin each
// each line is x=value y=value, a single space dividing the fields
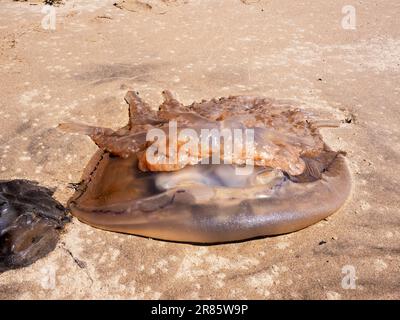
x=295 y=182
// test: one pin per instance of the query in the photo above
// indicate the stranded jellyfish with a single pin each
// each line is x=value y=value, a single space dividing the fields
x=296 y=179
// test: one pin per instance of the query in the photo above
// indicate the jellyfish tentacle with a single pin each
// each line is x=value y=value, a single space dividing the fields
x=170 y=102
x=119 y=144
x=139 y=111
x=171 y=106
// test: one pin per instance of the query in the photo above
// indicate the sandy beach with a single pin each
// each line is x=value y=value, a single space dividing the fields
x=75 y=61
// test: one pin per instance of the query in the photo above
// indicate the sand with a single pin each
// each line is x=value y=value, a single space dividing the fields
x=294 y=50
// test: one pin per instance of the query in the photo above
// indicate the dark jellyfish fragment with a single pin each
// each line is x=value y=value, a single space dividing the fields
x=30 y=222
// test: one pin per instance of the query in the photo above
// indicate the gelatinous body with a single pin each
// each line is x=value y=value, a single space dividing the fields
x=30 y=223
x=296 y=182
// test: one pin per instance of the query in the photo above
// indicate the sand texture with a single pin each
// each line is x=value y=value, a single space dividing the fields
x=285 y=49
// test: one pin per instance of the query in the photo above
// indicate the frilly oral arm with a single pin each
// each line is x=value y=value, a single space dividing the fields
x=107 y=139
